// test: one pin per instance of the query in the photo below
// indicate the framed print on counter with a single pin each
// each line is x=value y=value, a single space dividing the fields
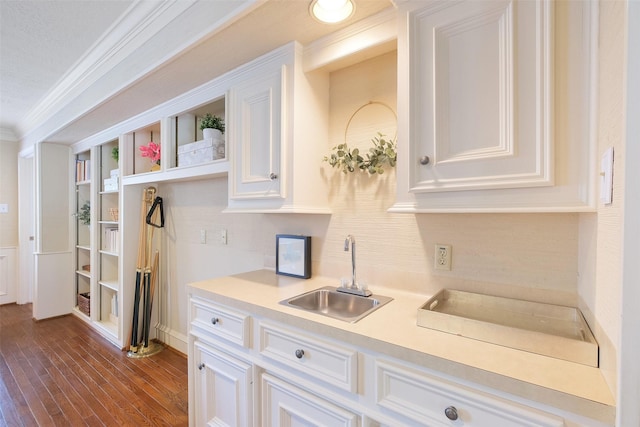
x=293 y=255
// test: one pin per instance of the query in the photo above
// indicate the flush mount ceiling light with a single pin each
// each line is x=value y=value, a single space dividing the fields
x=332 y=11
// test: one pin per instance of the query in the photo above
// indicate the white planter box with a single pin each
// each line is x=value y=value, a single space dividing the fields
x=202 y=151
x=111 y=184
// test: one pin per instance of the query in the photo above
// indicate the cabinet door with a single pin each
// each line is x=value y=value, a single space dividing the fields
x=223 y=392
x=256 y=133
x=480 y=96
x=286 y=405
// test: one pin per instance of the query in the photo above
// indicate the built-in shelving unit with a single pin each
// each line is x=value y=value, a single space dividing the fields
x=190 y=146
x=108 y=280
x=132 y=160
x=97 y=245
x=180 y=134
x=83 y=243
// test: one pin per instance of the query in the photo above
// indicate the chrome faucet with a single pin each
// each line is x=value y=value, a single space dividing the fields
x=352 y=240
x=354 y=288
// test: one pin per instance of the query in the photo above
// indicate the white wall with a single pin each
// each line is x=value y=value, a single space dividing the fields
x=8 y=221
x=629 y=354
x=189 y=208
x=601 y=234
x=525 y=255
x=9 y=193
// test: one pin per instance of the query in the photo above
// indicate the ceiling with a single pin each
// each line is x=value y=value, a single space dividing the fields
x=72 y=68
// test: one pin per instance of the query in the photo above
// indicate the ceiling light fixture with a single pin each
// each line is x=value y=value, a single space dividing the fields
x=332 y=11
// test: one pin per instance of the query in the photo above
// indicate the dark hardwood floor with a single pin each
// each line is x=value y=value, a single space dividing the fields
x=60 y=372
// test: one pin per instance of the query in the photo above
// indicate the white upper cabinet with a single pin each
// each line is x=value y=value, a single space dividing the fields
x=257 y=132
x=493 y=105
x=277 y=129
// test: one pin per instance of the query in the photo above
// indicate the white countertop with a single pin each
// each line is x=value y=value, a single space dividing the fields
x=392 y=330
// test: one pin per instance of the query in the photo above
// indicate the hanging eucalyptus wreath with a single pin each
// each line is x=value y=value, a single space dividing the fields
x=382 y=153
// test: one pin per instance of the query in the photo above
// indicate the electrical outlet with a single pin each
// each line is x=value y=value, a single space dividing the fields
x=443 y=257
x=203 y=236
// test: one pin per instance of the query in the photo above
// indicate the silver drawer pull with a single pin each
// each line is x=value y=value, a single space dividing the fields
x=299 y=353
x=424 y=160
x=214 y=320
x=451 y=412
x=273 y=176
x=201 y=366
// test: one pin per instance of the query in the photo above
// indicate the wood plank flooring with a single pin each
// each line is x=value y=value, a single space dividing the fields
x=60 y=372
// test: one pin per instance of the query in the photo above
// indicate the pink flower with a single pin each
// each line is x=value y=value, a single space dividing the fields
x=152 y=151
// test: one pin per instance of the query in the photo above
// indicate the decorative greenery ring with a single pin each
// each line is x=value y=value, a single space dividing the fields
x=383 y=152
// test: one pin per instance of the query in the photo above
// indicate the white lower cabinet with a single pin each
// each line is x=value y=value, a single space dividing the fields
x=278 y=375
x=284 y=404
x=310 y=355
x=223 y=388
x=426 y=400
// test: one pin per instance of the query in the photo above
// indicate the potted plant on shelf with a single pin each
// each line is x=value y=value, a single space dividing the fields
x=85 y=214
x=212 y=126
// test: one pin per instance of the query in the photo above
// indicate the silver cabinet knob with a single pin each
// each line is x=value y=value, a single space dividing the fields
x=214 y=320
x=424 y=160
x=299 y=353
x=451 y=412
x=201 y=366
x=273 y=176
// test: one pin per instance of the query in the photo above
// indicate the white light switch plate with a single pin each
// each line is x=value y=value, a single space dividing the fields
x=4 y=208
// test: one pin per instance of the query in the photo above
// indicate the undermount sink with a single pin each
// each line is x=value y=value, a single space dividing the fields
x=328 y=301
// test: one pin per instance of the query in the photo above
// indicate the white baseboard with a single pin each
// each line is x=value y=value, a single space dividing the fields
x=172 y=338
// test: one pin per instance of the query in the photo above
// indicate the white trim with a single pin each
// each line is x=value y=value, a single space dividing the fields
x=173 y=338
x=374 y=33
x=628 y=413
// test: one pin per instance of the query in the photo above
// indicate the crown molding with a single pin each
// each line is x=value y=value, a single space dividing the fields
x=148 y=35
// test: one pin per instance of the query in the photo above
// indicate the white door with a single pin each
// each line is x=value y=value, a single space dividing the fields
x=53 y=290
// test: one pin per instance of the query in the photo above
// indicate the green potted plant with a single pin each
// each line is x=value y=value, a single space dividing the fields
x=85 y=214
x=115 y=154
x=212 y=126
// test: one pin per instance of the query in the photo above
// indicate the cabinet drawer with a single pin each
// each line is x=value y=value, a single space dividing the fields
x=428 y=400
x=286 y=405
x=220 y=322
x=324 y=360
